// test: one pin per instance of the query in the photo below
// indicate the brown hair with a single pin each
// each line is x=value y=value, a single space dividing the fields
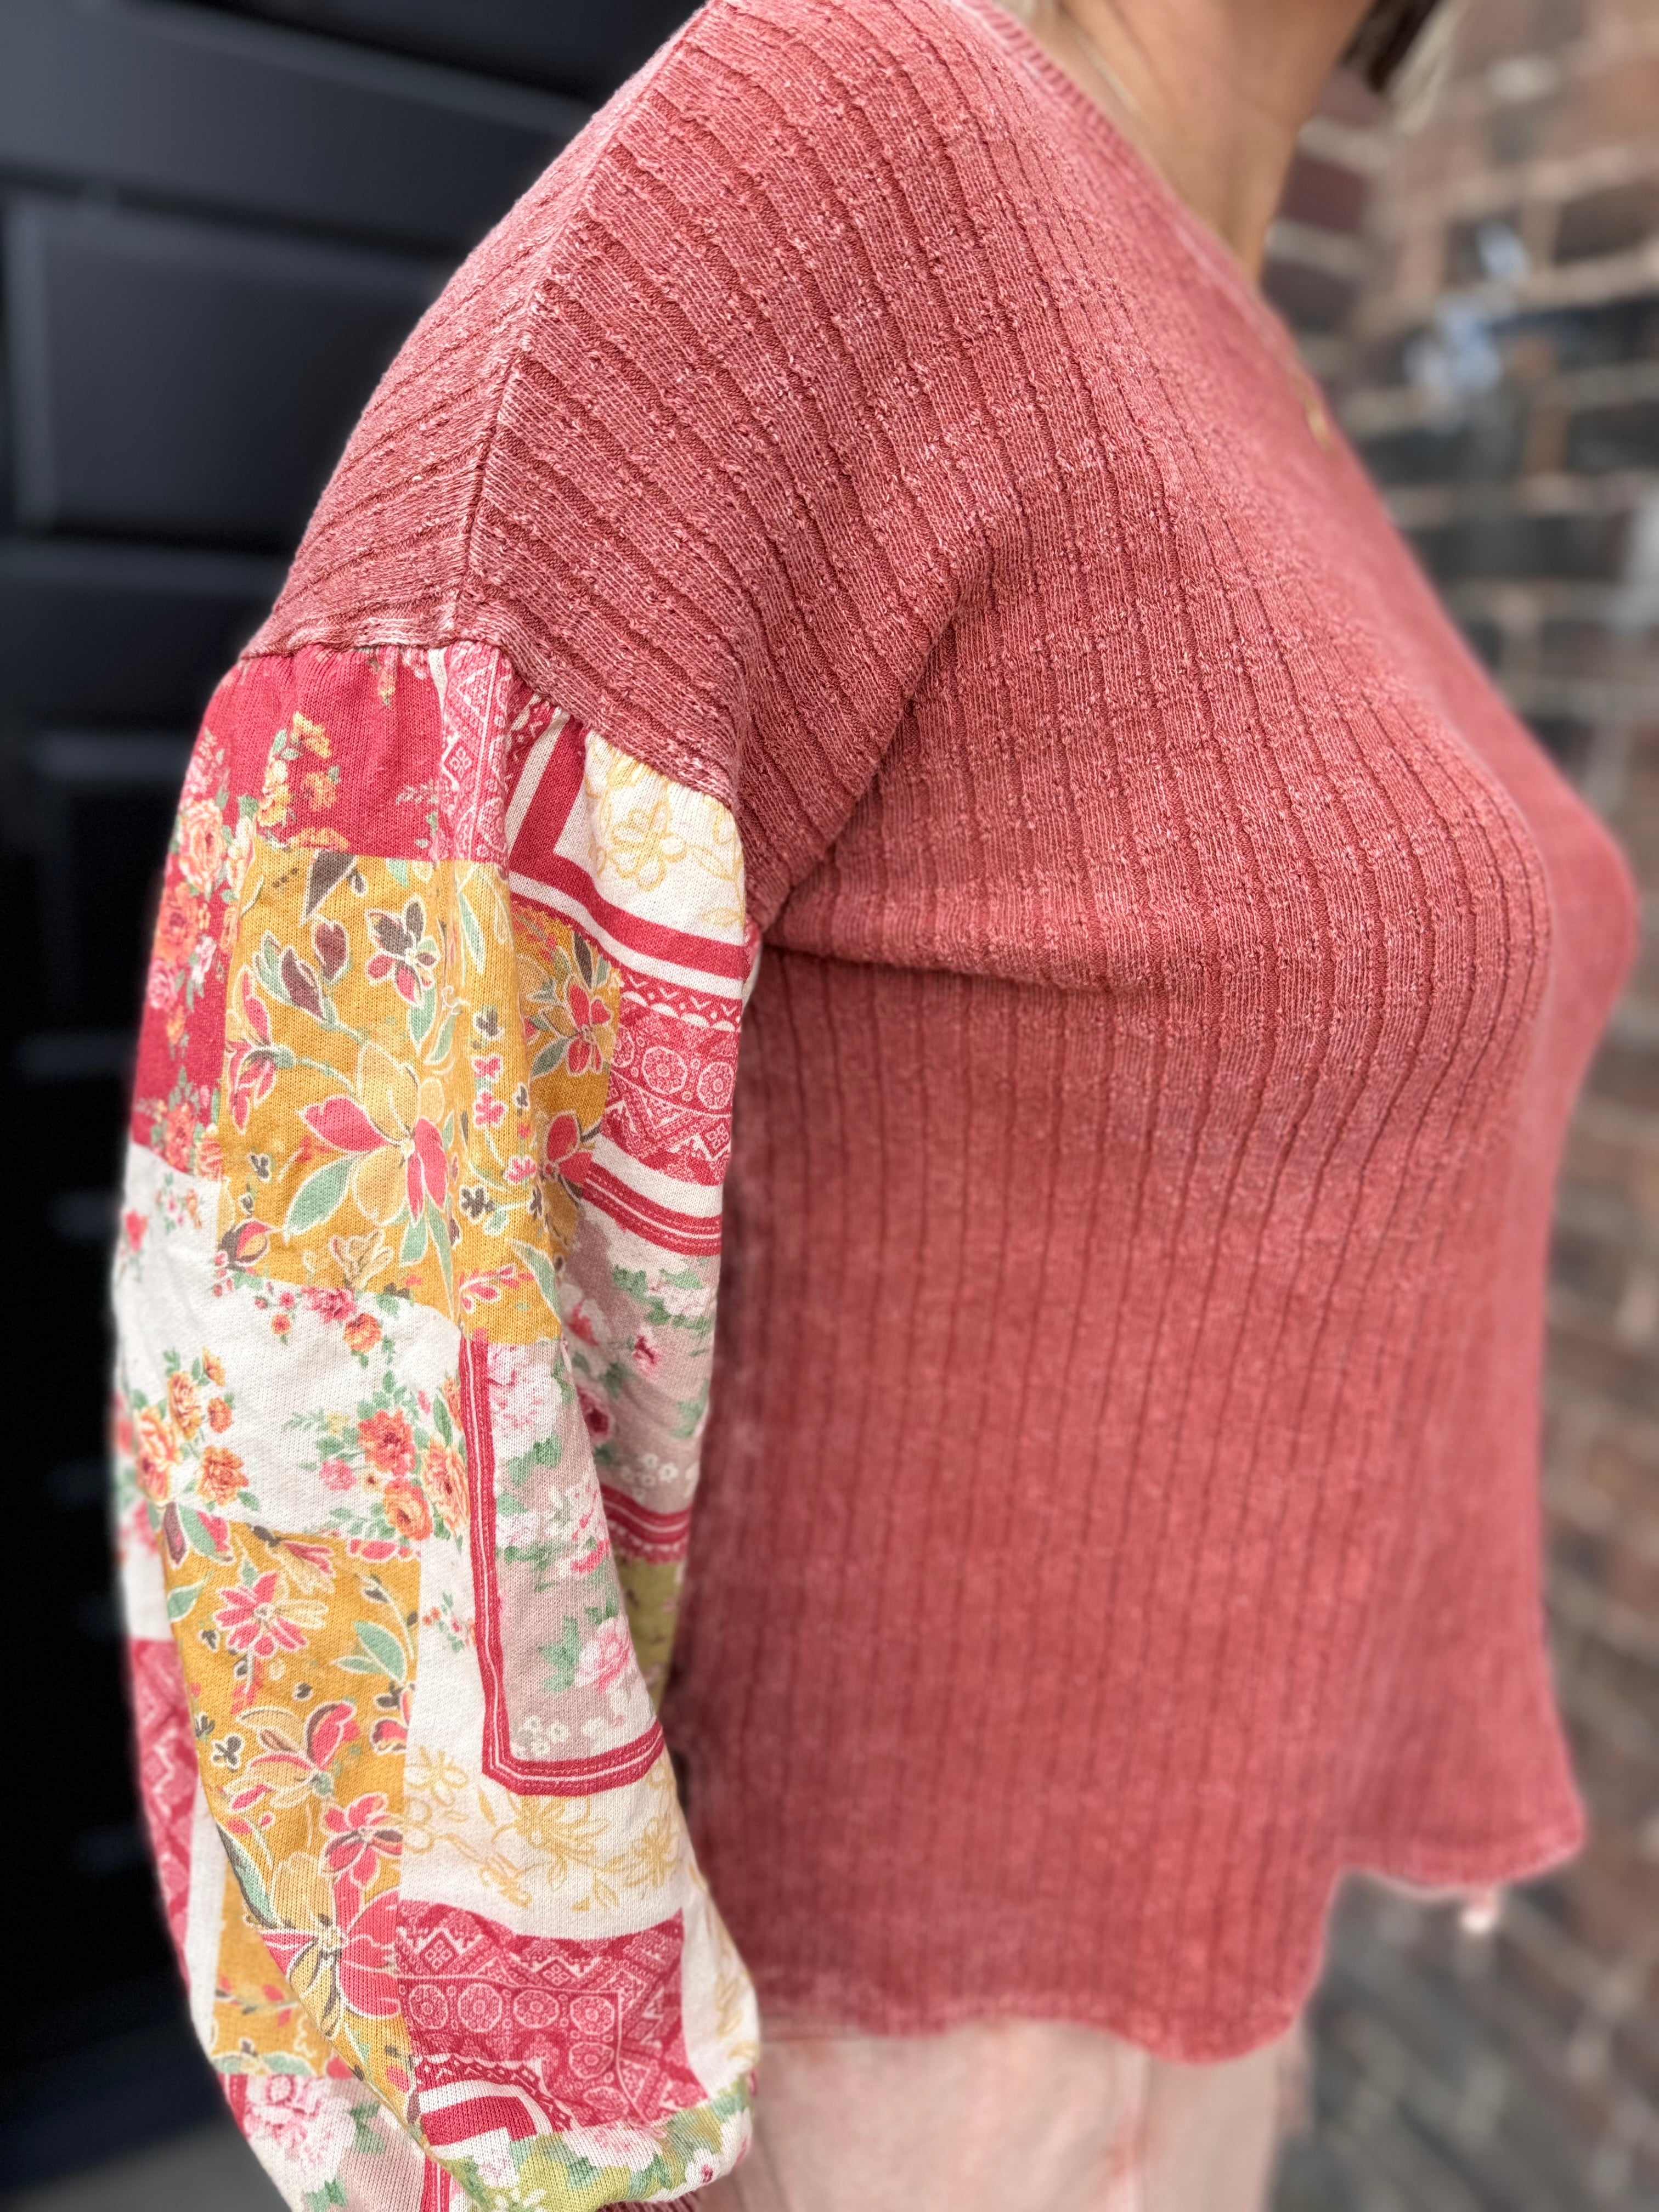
x=1385 y=38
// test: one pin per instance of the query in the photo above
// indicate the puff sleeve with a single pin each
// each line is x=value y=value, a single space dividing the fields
x=598 y=633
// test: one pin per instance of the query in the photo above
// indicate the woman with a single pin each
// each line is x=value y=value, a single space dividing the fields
x=852 y=561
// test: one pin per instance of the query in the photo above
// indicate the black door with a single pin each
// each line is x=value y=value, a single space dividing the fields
x=216 y=224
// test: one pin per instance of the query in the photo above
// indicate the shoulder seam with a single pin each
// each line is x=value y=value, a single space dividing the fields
x=537 y=292
x=666 y=754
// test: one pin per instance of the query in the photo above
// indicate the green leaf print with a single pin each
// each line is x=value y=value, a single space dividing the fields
x=385 y=1655
x=438 y=1230
x=689 y=1420
x=197 y=1535
x=318 y=1196
x=563 y=1657
x=365 y=2118
x=541 y=1268
x=422 y=1015
x=250 y=1881
x=472 y=935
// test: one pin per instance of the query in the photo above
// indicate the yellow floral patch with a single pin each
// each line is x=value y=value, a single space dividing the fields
x=256 y=2018
x=414 y=1076
x=299 y=1658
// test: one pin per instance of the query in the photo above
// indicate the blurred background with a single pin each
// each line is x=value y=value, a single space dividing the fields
x=216 y=221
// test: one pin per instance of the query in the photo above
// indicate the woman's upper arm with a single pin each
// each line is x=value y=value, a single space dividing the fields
x=414 y=1308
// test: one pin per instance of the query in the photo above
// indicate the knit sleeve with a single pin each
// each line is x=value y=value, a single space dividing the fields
x=599 y=633
x=688 y=438
x=413 y=1307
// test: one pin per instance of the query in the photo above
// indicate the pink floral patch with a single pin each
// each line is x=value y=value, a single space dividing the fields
x=167 y=1768
x=586 y=2033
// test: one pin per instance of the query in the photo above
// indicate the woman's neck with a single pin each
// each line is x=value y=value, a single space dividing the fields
x=1212 y=92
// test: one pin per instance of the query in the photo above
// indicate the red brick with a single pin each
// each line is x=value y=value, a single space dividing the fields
x=1325 y=194
x=1611 y=221
x=1616 y=107
x=1414 y=2024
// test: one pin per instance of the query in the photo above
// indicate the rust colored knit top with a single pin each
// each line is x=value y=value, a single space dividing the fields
x=1119 y=1506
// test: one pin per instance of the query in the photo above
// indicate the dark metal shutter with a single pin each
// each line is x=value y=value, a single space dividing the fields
x=216 y=224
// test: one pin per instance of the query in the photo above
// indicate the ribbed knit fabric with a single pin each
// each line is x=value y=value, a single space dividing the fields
x=1120 y=1505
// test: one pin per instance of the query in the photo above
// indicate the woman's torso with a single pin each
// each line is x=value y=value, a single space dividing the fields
x=1118 y=1503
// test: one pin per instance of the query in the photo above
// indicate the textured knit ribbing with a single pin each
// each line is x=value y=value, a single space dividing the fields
x=1119 y=1506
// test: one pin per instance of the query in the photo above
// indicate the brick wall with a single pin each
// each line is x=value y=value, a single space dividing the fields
x=1482 y=301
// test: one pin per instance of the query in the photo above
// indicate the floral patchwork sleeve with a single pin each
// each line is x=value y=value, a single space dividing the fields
x=414 y=1308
